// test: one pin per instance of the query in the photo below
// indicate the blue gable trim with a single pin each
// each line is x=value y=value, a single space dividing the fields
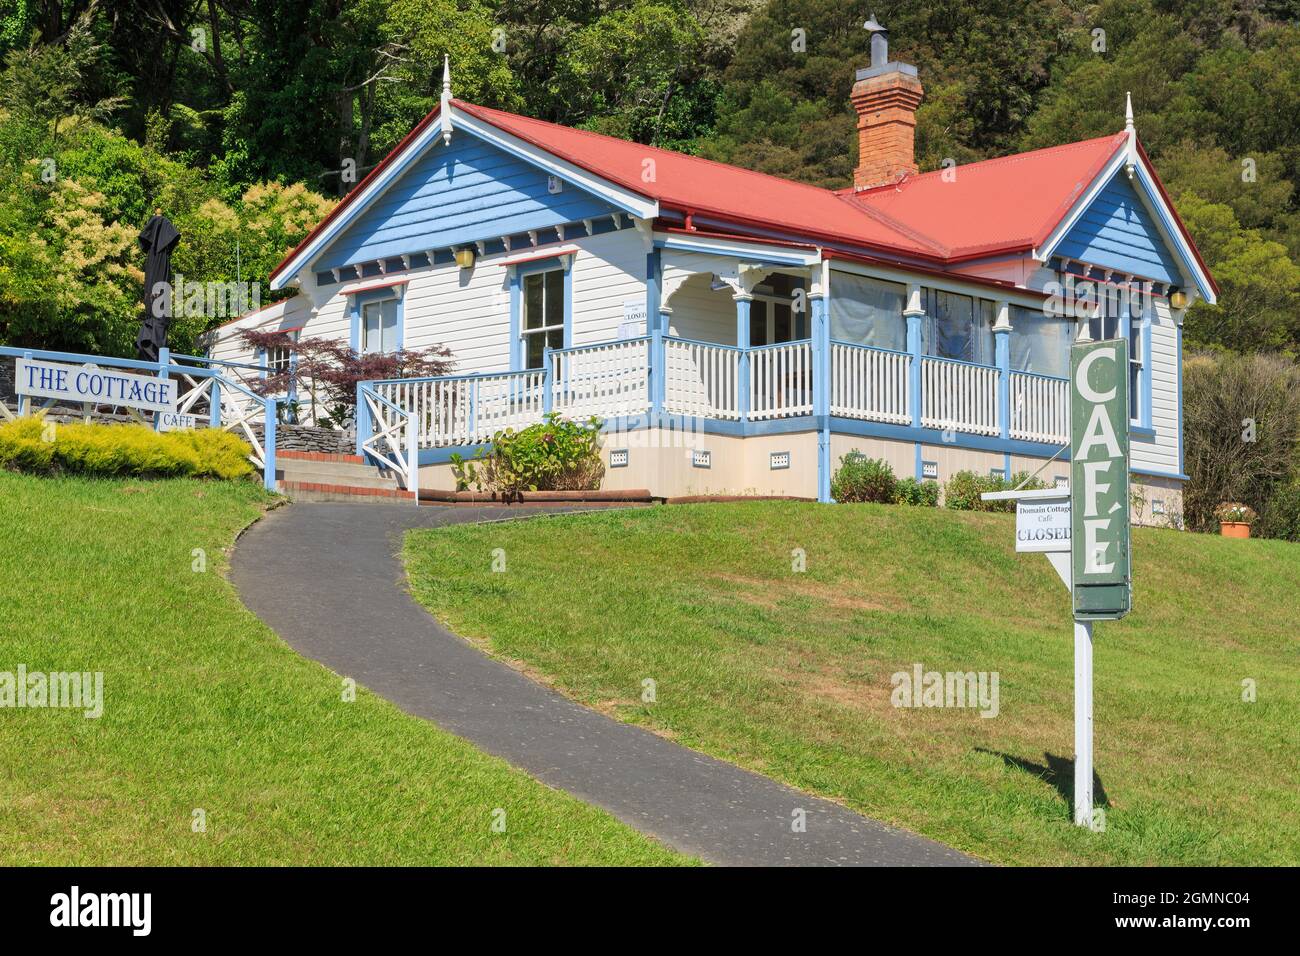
x=1116 y=232
x=465 y=192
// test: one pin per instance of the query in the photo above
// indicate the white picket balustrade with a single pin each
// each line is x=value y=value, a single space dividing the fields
x=465 y=410
x=870 y=383
x=959 y=396
x=609 y=380
x=1040 y=408
x=702 y=380
x=780 y=381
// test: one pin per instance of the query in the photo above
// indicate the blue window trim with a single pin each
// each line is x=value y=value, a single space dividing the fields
x=517 y=272
x=357 y=299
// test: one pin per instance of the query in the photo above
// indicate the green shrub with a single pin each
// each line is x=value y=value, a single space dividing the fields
x=963 y=490
x=556 y=454
x=922 y=494
x=1280 y=516
x=34 y=445
x=860 y=478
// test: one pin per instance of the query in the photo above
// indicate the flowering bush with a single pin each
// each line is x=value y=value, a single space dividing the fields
x=1234 y=512
x=556 y=454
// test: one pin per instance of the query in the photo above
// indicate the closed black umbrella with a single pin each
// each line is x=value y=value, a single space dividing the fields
x=158 y=238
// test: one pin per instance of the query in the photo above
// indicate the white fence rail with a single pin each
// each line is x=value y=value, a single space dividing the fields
x=780 y=381
x=870 y=383
x=1040 y=409
x=959 y=396
x=467 y=409
x=701 y=379
x=608 y=380
x=708 y=380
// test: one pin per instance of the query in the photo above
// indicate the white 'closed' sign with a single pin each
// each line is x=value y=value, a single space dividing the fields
x=1043 y=524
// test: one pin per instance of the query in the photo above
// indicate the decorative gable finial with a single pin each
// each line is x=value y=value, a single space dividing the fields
x=1130 y=163
x=444 y=110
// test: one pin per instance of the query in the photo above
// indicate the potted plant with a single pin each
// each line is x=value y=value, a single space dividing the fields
x=1235 y=519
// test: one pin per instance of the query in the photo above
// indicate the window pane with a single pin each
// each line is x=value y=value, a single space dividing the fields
x=389 y=335
x=949 y=331
x=369 y=327
x=757 y=323
x=781 y=320
x=533 y=346
x=534 y=313
x=1040 y=344
x=868 y=312
x=555 y=297
x=1134 y=390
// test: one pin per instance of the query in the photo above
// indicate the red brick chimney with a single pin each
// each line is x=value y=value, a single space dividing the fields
x=885 y=97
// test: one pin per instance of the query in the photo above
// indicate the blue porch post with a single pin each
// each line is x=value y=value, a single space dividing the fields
x=1002 y=354
x=656 y=324
x=819 y=306
x=743 y=301
x=914 y=313
x=164 y=360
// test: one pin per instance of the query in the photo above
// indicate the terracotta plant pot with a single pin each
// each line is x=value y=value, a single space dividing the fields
x=1234 y=529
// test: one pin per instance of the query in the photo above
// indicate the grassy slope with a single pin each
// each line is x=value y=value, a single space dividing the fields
x=205 y=707
x=790 y=673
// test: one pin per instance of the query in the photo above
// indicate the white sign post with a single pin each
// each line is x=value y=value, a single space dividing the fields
x=1043 y=526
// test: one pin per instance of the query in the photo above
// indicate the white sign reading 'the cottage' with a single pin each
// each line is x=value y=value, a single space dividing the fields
x=87 y=383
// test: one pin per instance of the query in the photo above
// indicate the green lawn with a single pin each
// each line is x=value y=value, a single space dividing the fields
x=205 y=708
x=790 y=674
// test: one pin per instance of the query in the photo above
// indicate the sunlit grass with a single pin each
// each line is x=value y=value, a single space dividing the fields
x=206 y=709
x=789 y=673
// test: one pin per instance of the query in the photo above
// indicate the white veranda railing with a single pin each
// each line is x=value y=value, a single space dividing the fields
x=870 y=383
x=608 y=380
x=701 y=379
x=780 y=380
x=959 y=396
x=1040 y=408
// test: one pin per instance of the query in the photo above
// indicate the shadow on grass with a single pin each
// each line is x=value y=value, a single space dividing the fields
x=1057 y=772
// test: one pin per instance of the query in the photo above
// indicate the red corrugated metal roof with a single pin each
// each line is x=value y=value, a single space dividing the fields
x=996 y=206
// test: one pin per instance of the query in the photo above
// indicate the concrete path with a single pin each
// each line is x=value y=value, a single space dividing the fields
x=329 y=580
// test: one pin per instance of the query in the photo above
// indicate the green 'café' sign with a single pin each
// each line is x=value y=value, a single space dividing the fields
x=1099 y=476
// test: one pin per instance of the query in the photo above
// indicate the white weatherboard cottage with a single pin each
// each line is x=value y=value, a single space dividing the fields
x=737 y=332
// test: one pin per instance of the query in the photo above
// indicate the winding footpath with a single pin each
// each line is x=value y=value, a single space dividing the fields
x=328 y=579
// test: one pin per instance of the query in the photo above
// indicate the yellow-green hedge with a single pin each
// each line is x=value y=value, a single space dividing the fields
x=32 y=444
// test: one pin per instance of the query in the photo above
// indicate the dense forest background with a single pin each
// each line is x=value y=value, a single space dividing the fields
x=245 y=119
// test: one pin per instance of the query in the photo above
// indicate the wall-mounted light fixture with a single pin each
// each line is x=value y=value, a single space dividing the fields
x=465 y=257
x=1178 y=299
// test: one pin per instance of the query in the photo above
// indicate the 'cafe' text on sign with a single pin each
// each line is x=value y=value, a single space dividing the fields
x=1099 y=479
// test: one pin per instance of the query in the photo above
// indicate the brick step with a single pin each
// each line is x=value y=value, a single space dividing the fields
x=322 y=491
x=335 y=473
x=320 y=456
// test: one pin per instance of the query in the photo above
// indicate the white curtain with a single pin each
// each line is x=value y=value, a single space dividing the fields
x=867 y=311
x=1040 y=344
